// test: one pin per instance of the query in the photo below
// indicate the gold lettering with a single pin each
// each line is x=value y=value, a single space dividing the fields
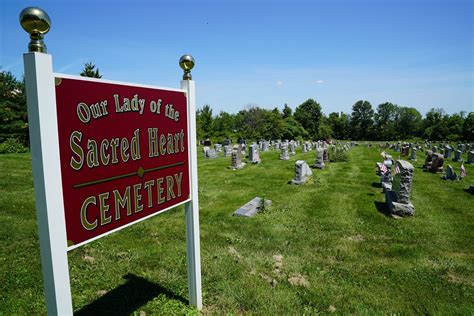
x=160 y=190
x=123 y=149
x=114 y=144
x=170 y=144
x=170 y=184
x=137 y=197
x=104 y=157
x=122 y=202
x=92 y=157
x=149 y=185
x=85 y=223
x=162 y=144
x=153 y=142
x=104 y=209
x=178 y=177
x=135 y=145
x=76 y=149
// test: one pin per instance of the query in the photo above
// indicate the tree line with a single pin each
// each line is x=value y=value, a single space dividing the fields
x=387 y=122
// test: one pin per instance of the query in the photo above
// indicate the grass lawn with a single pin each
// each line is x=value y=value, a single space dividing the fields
x=323 y=247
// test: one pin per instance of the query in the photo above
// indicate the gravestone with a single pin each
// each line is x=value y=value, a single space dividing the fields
x=470 y=157
x=236 y=160
x=205 y=149
x=457 y=155
x=437 y=163
x=398 y=199
x=450 y=174
x=218 y=147
x=447 y=152
x=428 y=160
x=254 y=157
x=434 y=148
x=304 y=148
x=292 y=148
x=226 y=142
x=227 y=150
x=266 y=146
x=325 y=153
x=284 y=153
x=319 y=163
x=413 y=154
x=252 y=207
x=207 y=143
x=302 y=172
x=211 y=153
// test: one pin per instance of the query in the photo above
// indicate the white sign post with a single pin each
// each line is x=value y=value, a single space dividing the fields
x=43 y=128
x=192 y=207
x=45 y=151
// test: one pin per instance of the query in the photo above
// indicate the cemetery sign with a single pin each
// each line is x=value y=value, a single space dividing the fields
x=123 y=151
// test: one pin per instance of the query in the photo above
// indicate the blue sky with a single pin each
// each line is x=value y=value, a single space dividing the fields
x=416 y=53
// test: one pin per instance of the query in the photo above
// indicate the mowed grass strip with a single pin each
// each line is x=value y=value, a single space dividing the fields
x=323 y=247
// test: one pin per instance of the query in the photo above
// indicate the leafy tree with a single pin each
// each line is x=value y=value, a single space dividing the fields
x=384 y=119
x=408 y=123
x=454 y=124
x=434 y=125
x=309 y=115
x=287 y=111
x=13 y=113
x=204 y=122
x=223 y=125
x=468 y=127
x=339 y=125
x=361 y=120
x=256 y=123
x=325 y=131
x=292 y=129
x=90 y=71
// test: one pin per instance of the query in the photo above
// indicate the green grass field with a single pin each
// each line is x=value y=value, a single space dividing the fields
x=323 y=247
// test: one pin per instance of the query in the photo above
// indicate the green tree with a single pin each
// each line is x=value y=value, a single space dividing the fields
x=309 y=115
x=454 y=124
x=223 y=125
x=361 y=120
x=90 y=71
x=434 y=125
x=204 y=122
x=408 y=123
x=384 y=119
x=287 y=111
x=13 y=113
x=292 y=129
x=255 y=123
x=468 y=127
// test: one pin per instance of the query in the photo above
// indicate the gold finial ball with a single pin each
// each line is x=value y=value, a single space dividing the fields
x=35 y=20
x=186 y=62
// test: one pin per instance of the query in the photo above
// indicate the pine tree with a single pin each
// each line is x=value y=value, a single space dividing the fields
x=89 y=71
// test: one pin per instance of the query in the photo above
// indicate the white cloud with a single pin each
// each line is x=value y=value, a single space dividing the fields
x=320 y=81
x=279 y=83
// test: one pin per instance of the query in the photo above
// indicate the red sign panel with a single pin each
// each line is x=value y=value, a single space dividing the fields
x=124 y=154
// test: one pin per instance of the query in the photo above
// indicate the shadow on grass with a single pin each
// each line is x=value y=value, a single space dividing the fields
x=382 y=208
x=127 y=298
x=376 y=184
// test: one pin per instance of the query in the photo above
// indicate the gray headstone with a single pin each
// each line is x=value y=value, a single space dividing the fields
x=252 y=207
x=450 y=174
x=319 y=163
x=254 y=157
x=470 y=157
x=457 y=155
x=398 y=199
x=302 y=172
x=211 y=153
x=284 y=153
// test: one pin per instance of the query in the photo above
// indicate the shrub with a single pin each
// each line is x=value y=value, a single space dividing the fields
x=337 y=154
x=12 y=146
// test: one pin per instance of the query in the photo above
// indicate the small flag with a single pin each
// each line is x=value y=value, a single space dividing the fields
x=397 y=169
x=463 y=170
x=383 y=168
